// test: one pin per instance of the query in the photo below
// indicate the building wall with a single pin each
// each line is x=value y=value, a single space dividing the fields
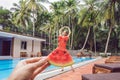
x=17 y=47
x=37 y=47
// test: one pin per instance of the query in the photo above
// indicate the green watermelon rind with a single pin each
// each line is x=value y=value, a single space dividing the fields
x=57 y=64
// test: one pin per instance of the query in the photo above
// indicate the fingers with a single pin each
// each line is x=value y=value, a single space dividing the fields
x=32 y=60
x=40 y=63
x=27 y=61
x=40 y=69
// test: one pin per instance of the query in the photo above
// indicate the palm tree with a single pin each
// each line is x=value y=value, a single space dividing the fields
x=58 y=9
x=64 y=14
x=71 y=12
x=20 y=14
x=34 y=7
x=107 y=17
x=100 y=6
x=88 y=17
x=110 y=19
x=5 y=16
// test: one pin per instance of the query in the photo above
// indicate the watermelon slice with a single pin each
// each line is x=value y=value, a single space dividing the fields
x=60 y=58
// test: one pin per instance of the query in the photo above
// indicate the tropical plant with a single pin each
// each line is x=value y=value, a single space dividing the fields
x=21 y=17
x=5 y=17
x=88 y=19
x=35 y=8
x=110 y=18
x=72 y=12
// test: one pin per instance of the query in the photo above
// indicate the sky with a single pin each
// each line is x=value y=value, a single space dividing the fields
x=9 y=3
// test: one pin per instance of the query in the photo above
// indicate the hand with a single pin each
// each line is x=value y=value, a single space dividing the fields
x=27 y=69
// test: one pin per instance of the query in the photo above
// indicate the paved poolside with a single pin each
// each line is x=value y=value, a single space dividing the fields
x=70 y=75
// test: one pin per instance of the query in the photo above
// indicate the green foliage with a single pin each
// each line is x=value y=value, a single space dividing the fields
x=96 y=15
x=5 y=18
x=20 y=15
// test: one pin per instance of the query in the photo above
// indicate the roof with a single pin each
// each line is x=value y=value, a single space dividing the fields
x=11 y=35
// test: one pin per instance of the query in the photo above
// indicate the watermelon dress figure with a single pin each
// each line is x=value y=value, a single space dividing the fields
x=60 y=56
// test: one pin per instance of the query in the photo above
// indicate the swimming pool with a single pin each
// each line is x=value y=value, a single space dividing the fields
x=7 y=66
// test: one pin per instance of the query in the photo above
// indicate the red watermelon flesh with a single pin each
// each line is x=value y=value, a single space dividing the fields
x=60 y=58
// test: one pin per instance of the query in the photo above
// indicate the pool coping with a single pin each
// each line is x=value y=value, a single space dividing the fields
x=53 y=73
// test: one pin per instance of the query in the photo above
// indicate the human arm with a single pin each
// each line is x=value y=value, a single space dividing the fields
x=68 y=30
x=60 y=31
x=28 y=69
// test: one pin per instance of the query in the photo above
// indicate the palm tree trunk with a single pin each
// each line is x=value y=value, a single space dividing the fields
x=95 y=42
x=72 y=37
x=91 y=44
x=54 y=40
x=116 y=45
x=46 y=41
x=33 y=24
x=57 y=32
x=115 y=42
x=106 y=47
x=86 y=39
x=49 y=33
x=63 y=21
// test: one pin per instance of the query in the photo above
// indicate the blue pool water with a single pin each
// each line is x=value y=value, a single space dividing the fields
x=7 y=66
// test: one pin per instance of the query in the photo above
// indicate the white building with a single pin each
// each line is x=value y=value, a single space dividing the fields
x=14 y=45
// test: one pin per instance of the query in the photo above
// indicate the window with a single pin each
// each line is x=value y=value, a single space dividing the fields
x=24 y=45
